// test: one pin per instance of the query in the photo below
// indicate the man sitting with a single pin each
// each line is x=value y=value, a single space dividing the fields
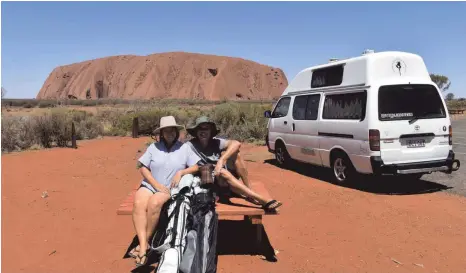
x=229 y=166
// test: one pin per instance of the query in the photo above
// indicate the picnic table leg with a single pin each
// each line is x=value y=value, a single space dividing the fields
x=259 y=236
x=256 y=220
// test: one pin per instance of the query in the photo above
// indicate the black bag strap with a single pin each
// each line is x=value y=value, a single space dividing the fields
x=202 y=156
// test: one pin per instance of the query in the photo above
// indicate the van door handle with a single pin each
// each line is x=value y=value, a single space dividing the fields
x=293 y=127
x=286 y=122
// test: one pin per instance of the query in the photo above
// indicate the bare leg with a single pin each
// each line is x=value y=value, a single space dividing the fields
x=141 y=200
x=154 y=207
x=239 y=188
x=240 y=167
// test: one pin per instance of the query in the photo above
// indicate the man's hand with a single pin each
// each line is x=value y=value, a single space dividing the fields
x=219 y=166
x=176 y=179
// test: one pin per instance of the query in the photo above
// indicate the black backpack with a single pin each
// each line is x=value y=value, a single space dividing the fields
x=200 y=255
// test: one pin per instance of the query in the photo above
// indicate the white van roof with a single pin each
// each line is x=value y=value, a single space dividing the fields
x=390 y=67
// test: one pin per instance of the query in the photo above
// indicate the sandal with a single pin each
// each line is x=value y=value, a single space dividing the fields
x=133 y=252
x=272 y=205
x=140 y=258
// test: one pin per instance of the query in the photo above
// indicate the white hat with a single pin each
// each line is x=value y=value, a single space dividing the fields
x=168 y=121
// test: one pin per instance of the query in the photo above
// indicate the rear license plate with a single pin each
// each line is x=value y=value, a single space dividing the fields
x=416 y=143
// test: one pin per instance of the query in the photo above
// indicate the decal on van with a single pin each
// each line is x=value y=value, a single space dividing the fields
x=399 y=66
x=396 y=115
x=308 y=151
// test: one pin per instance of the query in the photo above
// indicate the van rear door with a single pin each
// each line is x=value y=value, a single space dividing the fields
x=414 y=125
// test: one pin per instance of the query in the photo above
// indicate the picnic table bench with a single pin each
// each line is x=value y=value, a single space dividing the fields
x=237 y=207
x=455 y=111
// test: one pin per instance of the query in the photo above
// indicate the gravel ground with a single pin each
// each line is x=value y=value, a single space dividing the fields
x=456 y=182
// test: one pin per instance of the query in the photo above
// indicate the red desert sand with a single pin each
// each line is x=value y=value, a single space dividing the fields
x=321 y=228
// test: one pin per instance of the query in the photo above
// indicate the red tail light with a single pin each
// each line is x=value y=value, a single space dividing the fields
x=450 y=137
x=374 y=140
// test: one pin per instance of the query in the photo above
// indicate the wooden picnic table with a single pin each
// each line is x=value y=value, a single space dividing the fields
x=237 y=207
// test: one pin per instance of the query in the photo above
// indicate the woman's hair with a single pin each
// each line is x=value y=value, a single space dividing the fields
x=162 y=139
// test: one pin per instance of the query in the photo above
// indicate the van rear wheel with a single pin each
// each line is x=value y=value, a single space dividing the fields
x=342 y=168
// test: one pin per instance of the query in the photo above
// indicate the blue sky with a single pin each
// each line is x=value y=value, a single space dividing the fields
x=39 y=36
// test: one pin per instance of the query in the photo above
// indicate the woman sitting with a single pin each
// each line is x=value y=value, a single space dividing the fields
x=162 y=164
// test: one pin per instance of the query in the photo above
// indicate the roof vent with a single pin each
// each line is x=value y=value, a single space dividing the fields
x=333 y=60
x=368 y=51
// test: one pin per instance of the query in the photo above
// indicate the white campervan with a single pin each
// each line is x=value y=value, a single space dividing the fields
x=379 y=113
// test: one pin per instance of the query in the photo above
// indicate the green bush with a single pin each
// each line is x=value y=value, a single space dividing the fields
x=243 y=122
x=17 y=133
x=240 y=121
x=43 y=129
x=90 y=103
x=46 y=104
x=89 y=128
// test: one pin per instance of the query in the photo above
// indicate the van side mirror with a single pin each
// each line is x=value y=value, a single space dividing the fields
x=267 y=114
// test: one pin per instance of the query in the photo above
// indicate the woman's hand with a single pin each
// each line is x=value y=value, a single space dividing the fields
x=163 y=189
x=176 y=179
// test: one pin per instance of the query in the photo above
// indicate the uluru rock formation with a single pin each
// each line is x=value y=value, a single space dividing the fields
x=178 y=75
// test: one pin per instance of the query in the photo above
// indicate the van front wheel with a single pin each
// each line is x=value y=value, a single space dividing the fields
x=281 y=155
x=343 y=170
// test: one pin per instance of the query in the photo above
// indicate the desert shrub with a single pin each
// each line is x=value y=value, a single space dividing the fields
x=150 y=119
x=122 y=125
x=78 y=116
x=112 y=120
x=17 y=133
x=61 y=128
x=20 y=102
x=89 y=128
x=90 y=103
x=75 y=102
x=243 y=122
x=43 y=129
x=28 y=105
x=55 y=127
x=46 y=104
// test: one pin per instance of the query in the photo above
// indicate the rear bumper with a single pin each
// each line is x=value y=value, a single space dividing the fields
x=449 y=165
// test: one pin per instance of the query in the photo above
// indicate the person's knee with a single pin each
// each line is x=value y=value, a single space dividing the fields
x=140 y=205
x=155 y=206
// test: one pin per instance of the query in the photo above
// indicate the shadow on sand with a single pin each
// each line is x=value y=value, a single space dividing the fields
x=235 y=237
x=381 y=185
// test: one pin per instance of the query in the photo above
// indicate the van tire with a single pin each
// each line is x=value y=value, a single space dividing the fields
x=343 y=170
x=281 y=155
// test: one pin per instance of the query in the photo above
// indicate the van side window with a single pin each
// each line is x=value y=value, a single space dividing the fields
x=306 y=107
x=328 y=76
x=299 y=107
x=282 y=108
x=312 y=107
x=345 y=106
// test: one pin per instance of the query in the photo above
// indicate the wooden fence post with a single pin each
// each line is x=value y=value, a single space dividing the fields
x=73 y=136
x=135 y=127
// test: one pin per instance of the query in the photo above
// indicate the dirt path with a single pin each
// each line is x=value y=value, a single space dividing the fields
x=321 y=228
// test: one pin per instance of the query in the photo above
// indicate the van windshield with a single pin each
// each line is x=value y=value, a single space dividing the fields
x=410 y=102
